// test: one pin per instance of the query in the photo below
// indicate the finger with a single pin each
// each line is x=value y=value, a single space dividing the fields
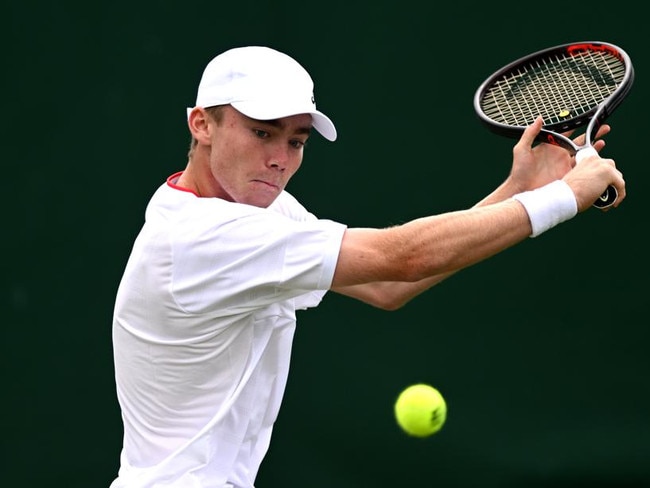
x=531 y=132
x=619 y=184
x=601 y=132
x=599 y=145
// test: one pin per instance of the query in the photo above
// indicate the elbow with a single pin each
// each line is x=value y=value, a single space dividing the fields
x=390 y=302
x=383 y=296
x=391 y=305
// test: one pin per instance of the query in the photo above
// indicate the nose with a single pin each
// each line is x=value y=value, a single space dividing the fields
x=279 y=158
x=278 y=165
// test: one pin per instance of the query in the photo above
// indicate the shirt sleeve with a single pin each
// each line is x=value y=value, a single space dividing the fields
x=234 y=258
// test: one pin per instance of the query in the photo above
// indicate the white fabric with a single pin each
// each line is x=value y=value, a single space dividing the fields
x=548 y=206
x=263 y=84
x=203 y=326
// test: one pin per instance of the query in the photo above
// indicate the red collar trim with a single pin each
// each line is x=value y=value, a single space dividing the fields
x=171 y=182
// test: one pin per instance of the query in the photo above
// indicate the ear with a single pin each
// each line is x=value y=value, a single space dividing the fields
x=199 y=126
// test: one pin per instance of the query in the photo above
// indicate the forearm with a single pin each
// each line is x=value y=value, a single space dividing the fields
x=447 y=244
x=425 y=251
x=392 y=295
x=504 y=191
x=450 y=242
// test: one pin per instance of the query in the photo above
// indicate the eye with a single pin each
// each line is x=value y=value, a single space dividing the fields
x=297 y=144
x=262 y=134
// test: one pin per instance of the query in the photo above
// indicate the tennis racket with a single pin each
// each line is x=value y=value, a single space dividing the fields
x=570 y=86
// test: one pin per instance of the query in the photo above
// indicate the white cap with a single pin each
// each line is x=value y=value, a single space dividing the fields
x=263 y=84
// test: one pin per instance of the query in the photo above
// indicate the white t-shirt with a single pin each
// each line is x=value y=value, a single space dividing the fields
x=202 y=331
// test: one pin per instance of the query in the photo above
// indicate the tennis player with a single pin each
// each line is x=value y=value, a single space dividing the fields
x=206 y=310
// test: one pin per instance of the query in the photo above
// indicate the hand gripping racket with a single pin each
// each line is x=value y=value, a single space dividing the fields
x=568 y=85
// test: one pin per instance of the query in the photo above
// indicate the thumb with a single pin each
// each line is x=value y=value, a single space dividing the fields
x=531 y=132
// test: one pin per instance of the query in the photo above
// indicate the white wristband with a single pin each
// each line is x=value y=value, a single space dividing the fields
x=548 y=206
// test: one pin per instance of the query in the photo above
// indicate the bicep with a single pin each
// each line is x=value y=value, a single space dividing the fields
x=366 y=256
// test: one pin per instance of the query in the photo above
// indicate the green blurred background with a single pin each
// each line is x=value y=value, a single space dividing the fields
x=541 y=352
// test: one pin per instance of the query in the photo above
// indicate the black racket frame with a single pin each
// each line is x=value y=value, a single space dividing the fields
x=552 y=133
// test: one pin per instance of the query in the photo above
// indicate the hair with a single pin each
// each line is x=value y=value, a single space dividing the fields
x=216 y=114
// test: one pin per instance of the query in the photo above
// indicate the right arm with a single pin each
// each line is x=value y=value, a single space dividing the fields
x=389 y=267
x=430 y=246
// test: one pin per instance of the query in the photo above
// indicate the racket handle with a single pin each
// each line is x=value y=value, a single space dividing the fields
x=607 y=199
x=610 y=195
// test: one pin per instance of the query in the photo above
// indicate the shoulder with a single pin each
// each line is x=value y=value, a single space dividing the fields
x=289 y=206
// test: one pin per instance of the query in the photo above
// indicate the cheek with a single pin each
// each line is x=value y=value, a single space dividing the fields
x=295 y=166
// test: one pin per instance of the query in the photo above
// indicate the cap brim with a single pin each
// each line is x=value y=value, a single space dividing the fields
x=320 y=121
x=324 y=125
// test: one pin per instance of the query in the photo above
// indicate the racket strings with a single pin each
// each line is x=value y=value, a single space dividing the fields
x=559 y=88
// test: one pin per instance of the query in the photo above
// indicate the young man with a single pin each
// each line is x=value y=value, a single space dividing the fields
x=205 y=312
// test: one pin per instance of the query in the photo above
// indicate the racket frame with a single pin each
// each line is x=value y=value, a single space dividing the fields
x=552 y=133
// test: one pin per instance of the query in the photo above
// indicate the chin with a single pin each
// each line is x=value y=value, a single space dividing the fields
x=260 y=202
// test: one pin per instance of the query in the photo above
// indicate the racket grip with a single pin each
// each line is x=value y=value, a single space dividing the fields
x=585 y=152
x=607 y=199
x=610 y=195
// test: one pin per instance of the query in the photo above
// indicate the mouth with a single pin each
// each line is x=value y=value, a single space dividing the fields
x=267 y=184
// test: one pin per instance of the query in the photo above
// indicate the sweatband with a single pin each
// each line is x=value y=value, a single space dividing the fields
x=548 y=206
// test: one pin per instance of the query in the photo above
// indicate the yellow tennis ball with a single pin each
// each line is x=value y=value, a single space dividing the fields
x=420 y=410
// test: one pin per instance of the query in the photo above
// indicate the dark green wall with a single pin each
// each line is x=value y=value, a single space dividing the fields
x=540 y=352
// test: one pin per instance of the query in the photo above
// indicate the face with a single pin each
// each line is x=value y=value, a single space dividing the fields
x=251 y=161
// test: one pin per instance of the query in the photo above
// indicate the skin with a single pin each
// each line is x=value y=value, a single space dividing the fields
x=242 y=159
x=251 y=161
